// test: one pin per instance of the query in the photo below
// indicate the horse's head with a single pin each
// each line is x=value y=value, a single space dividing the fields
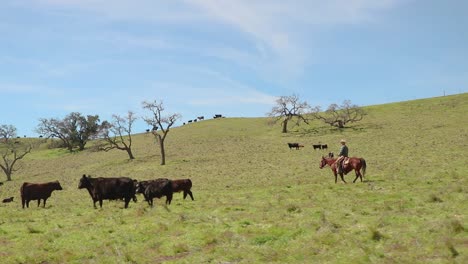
x=323 y=162
x=326 y=161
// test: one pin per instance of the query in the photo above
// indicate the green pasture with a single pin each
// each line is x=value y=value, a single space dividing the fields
x=257 y=201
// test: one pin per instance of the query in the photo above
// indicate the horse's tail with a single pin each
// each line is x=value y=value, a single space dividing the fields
x=364 y=166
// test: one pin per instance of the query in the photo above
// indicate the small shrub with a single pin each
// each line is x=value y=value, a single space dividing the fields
x=294 y=209
x=435 y=199
x=261 y=240
x=456 y=226
x=180 y=248
x=376 y=235
x=33 y=230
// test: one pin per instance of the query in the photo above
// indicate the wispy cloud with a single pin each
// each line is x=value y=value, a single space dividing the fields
x=280 y=33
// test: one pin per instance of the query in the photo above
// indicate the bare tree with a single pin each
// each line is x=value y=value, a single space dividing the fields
x=164 y=123
x=7 y=132
x=12 y=151
x=288 y=108
x=340 y=115
x=121 y=129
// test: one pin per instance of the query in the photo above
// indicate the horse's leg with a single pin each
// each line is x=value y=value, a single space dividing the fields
x=342 y=178
x=357 y=175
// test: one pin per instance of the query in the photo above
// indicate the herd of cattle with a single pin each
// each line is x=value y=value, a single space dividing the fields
x=315 y=146
x=119 y=188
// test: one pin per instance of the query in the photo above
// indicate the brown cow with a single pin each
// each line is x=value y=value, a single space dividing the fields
x=182 y=185
x=37 y=191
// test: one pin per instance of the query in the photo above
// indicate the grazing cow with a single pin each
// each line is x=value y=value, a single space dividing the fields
x=295 y=145
x=155 y=189
x=324 y=146
x=37 y=191
x=217 y=116
x=318 y=146
x=201 y=117
x=182 y=185
x=190 y=121
x=7 y=200
x=108 y=189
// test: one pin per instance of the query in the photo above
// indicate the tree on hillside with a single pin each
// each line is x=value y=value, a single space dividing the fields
x=75 y=130
x=11 y=150
x=7 y=132
x=287 y=109
x=340 y=115
x=118 y=133
x=164 y=123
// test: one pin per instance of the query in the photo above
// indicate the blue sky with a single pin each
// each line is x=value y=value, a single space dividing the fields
x=223 y=56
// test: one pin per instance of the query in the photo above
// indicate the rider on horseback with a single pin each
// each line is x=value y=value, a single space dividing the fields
x=341 y=156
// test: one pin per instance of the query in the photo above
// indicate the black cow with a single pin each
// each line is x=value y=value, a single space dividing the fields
x=319 y=146
x=7 y=200
x=108 y=189
x=37 y=191
x=295 y=145
x=155 y=189
x=200 y=117
x=182 y=185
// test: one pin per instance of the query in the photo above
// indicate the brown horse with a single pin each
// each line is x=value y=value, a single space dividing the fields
x=353 y=164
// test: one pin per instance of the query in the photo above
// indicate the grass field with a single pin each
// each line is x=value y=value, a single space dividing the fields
x=257 y=201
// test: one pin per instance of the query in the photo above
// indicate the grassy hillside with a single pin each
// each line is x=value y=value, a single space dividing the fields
x=258 y=201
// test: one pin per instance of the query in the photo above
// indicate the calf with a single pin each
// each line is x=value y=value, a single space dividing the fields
x=37 y=191
x=182 y=185
x=108 y=189
x=7 y=200
x=155 y=189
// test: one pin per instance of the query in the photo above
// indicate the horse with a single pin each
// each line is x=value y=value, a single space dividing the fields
x=353 y=163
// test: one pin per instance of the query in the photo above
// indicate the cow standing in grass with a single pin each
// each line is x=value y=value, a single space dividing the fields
x=37 y=191
x=182 y=185
x=155 y=189
x=108 y=189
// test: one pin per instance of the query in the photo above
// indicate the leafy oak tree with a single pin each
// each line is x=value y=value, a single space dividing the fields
x=75 y=130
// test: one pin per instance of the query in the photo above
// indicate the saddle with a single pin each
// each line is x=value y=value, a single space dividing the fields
x=345 y=161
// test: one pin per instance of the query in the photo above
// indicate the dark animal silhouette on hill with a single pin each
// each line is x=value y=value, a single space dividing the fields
x=295 y=145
